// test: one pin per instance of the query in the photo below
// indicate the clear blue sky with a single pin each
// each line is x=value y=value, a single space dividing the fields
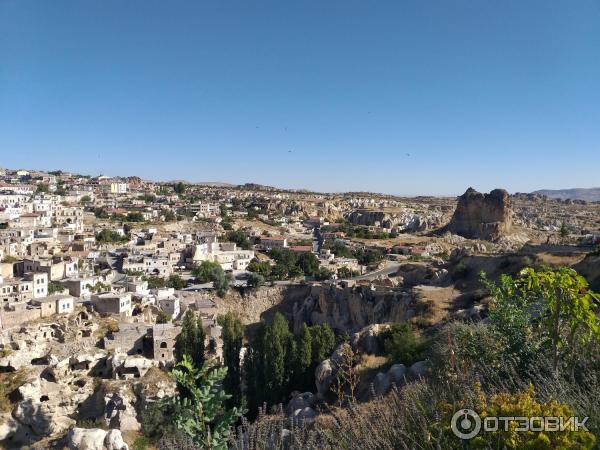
x=402 y=97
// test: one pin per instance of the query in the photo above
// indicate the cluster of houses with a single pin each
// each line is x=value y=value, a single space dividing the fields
x=61 y=252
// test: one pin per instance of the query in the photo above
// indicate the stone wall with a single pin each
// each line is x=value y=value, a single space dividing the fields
x=9 y=319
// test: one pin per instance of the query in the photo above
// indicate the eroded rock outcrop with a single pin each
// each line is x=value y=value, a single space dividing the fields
x=482 y=216
x=405 y=221
x=350 y=308
x=95 y=439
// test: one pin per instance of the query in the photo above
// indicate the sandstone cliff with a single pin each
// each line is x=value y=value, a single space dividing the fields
x=482 y=216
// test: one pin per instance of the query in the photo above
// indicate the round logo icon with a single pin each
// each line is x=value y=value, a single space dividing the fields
x=466 y=424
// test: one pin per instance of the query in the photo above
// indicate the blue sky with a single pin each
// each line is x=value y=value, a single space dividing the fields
x=403 y=97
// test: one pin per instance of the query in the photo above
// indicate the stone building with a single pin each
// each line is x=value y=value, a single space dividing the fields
x=54 y=304
x=163 y=340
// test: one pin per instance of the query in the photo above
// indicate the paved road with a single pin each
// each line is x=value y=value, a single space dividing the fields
x=389 y=269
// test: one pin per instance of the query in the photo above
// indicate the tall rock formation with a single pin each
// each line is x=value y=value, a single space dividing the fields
x=482 y=216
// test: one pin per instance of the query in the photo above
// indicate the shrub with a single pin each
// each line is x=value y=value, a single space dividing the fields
x=521 y=404
x=54 y=287
x=141 y=443
x=256 y=280
x=402 y=344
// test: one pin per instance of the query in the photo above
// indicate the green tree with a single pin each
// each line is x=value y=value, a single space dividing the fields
x=221 y=283
x=109 y=236
x=187 y=339
x=323 y=342
x=255 y=280
x=232 y=335
x=86 y=199
x=42 y=189
x=368 y=257
x=309 y=264
x=254 y=371
x=206 y=271
x=564 y=231
x=303 y=360
x=276 y=358
x=168 y=215
x=558 y=302
x=176 y=282
x=209 y=271
x=239 y=238
x=198 y=343
x=100 y=213
x=270 y=363
x=179 y=188
x=135 y=217
x=201 y=413
x=261 y=268
x=324 y=274
x=148 y=198
x=156 y=282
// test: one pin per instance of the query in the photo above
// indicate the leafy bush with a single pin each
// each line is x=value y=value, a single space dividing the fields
x=54 y=287
x=141 y=443
x=239 y=238
x=109 y=236
x=201 y=414
x=156 y=282
x=520 y=404
x=176 y=282
x=255 y=280
x=135 y=217
x=402 y=344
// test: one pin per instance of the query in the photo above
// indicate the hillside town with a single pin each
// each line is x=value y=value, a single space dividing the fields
x=99 y=274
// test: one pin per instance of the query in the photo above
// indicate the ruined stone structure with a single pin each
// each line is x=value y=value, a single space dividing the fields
x=482 y=216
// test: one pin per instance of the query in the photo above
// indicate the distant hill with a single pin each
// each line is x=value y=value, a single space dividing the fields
x=587 y=194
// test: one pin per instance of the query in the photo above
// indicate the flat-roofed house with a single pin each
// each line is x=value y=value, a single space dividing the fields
x=55 y=304
x=113 y=303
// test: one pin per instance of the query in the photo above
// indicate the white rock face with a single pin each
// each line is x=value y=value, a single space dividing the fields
x=13 y=430
x=120 y=409
x=367 y=340
x=46 y=407
x=95 y=439
x=86 y=439
x=114 y=441
x=125 y=366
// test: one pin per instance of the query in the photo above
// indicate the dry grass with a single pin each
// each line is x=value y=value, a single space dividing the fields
x=367 y=368
x=433 y=304
x=9 y=383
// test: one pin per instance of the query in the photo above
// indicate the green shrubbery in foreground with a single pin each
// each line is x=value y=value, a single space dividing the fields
x=536 y=355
